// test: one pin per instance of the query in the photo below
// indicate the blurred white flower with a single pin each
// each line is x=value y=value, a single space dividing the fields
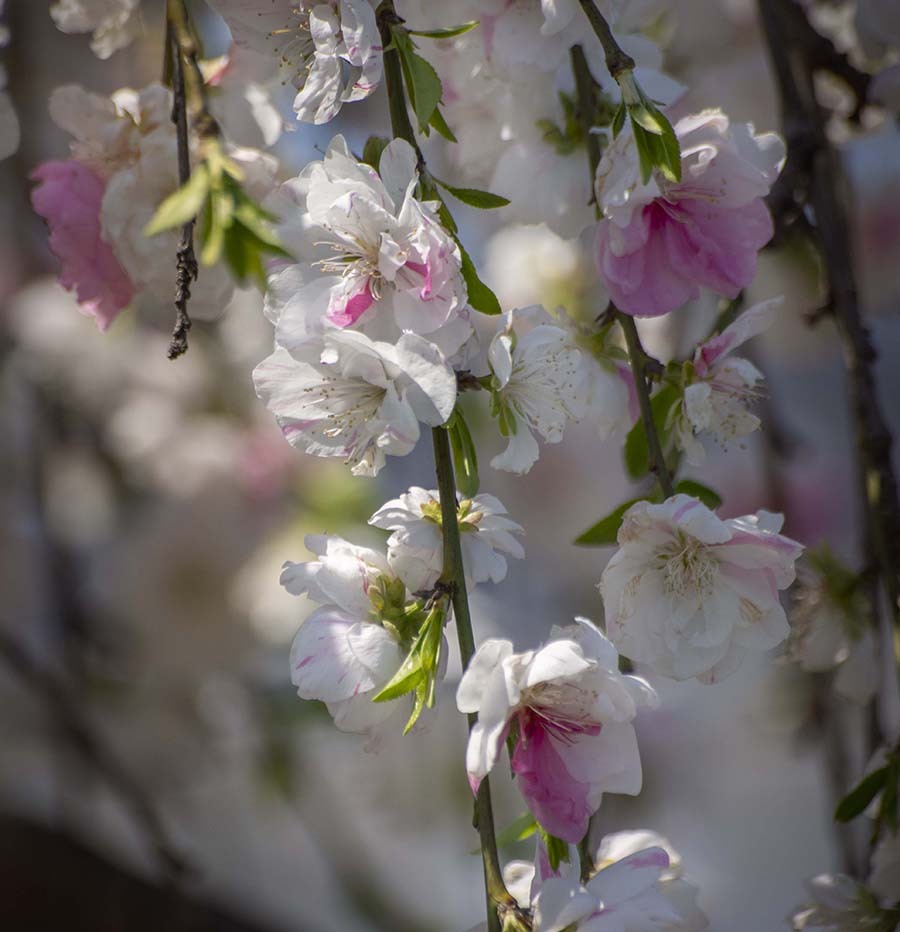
x=884 y=869
x=842 y=904
x=830 y=627
x=114 y=23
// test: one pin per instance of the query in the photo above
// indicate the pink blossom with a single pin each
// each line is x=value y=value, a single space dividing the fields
x=68 y=197
x=573 y=713
x=660 y=242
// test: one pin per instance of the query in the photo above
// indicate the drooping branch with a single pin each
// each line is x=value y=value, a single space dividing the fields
x=188 y=100
x=499 y=900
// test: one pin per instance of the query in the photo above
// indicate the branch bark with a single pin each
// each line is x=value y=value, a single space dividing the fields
x=499 y=900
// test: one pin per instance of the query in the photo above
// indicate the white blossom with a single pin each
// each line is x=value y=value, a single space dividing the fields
x=539 y=382
x=688 y=593
x=342 y=576
x=330 y=51
x=346 y=395
x=416 y=549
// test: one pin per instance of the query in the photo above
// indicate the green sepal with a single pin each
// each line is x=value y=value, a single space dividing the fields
x=557 y=849
x=465 y=457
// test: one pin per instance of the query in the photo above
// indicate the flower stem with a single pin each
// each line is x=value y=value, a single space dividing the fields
x=638 y=359
x=453 y=576
x=617 y=61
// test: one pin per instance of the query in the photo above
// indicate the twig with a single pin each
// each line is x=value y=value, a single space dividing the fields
x=617 y=61
x=801 y=114
x=188 y=94
x=185 y=260
x=65 y=711
x=499 y=900
x=638 y=358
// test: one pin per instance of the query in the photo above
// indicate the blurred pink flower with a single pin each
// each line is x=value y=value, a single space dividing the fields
x=68 y=197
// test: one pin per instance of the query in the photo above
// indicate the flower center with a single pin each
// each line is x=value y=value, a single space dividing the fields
x=689 y=568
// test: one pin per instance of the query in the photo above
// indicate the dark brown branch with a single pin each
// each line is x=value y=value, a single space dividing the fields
x=795 y=58
x=617 y=61
x=185 y=260
x=65 y=711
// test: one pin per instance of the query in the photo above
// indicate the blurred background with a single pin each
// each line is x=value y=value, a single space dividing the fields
x=157 y=770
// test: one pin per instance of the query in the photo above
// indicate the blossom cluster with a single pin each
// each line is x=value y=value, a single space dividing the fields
x=381 y=324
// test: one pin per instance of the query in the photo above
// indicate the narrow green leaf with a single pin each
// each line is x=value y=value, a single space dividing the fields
x=484 y=200
x=422 y=82
x=649 y=118
x=447 y=33
x=708 y=496
x=440 y=124
x=604 y=532
x=618 y=120
x=480 y=296
x=557 y=849
x=637 y=453
x=409 y=677
x=856 y=801
x=523 y=827
x=181 y=206
x=372 y=150
x=220 y=209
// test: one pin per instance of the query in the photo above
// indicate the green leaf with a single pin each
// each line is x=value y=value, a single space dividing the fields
x=447 y=33
x=484 y=200
x=480 y=296
x=604 y=532
x=183 y=205
x=465 y=457
x=618 y=120
x=856 y=801
x=220 y=209
x=409 y=677
x=637 y=453
x=440 y=124
x=422 y=82
x=523 y=827
x=557 y=849
x=708 y=496
x=372 y=150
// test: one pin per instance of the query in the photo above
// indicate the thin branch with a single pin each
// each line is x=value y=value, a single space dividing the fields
x=499 y=900
x=188 y=99
x=185 y=260
x=617 y=61
x=64 y=709
x=638 y=359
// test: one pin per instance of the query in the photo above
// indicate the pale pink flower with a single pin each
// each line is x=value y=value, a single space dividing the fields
x=689 y=593
x=572 y=712
x=68 y=197
x=659 y=243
